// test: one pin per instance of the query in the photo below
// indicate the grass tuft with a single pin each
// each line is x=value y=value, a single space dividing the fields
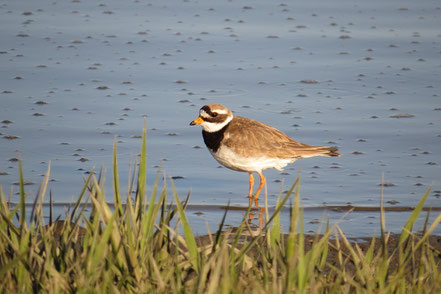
x=136 y=247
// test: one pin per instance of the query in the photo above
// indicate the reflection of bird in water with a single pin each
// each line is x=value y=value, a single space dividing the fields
x=257 y=214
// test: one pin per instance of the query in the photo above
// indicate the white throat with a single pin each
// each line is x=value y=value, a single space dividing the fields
x=214 y=127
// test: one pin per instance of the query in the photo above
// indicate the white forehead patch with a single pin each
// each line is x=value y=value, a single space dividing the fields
x=203 y=113
x=221 y=111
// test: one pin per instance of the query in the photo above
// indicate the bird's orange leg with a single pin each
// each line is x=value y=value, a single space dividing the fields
x=250 y=191
x=262 y=183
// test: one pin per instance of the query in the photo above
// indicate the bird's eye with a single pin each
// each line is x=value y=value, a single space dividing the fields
x=214 y=114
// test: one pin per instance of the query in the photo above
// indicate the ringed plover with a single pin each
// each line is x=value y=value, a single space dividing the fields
x=246 y=145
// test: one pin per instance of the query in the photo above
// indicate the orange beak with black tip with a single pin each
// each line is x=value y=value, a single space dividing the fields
x=197 y=121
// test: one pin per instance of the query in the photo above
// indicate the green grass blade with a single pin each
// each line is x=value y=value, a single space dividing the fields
x=383 y=220
x=426 y=235
x=301 y=266
x=403 y=250
x=413 y=217
x=152 y=212
x=292 y=236
x=221 y=225
x=80 y=197
x=275 y=230
x=36 y=209
x=116 y=190
x=151 y=216
x=142 y=173
x=22 y=204
x=325 y=250
x=188 y=234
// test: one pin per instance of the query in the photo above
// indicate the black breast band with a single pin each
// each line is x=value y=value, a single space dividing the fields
x=213 y=140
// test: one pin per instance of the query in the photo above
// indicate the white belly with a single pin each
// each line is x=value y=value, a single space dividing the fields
x=236 y=162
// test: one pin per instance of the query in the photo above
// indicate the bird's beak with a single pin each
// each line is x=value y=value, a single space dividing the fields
x=197 y=121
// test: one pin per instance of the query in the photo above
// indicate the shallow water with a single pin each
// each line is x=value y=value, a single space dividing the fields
x=364 y=76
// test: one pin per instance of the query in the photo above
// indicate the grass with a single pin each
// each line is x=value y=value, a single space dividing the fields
x=136 y=247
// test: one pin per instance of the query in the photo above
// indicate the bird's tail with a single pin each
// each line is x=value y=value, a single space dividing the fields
x=332 y=151
x=312 y=151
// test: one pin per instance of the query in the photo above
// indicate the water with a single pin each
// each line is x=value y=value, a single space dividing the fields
x=371 y=84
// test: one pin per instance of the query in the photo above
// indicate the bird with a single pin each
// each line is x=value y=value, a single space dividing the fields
x=246 y=145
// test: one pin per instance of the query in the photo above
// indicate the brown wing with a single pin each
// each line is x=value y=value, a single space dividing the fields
x=252 y=138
